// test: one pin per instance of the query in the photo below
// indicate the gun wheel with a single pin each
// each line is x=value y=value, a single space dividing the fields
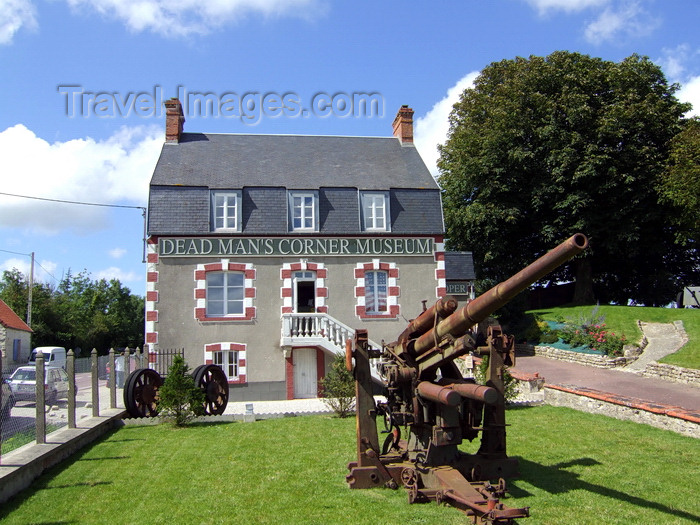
x=409 y=478
x=141 y=392
x=214 y=383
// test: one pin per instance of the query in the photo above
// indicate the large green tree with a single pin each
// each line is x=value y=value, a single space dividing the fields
x=680 y=183
x=80 y=313
x=99 y=313
x=543 y=147
x=14 y=290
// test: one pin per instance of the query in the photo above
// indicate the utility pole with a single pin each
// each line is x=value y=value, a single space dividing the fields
x=29 y=294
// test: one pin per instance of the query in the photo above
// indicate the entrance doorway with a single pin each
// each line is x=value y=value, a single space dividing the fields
x=305 y=379
x=304 y=292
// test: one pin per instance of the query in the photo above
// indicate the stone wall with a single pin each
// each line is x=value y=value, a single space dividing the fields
x=600 y=361
x=672 y=373
x=656 y=416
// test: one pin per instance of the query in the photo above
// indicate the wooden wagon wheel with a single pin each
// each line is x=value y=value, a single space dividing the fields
x=212 y=380
x=141 y=392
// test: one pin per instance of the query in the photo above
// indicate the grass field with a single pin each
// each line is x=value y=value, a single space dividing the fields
x=623 y=320
x=576 y=468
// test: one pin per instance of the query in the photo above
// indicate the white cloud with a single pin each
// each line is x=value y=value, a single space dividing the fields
x=544 y=6
x=117 y=273
x=674 y=61
x=690 y=92
x=13 y=15
x=187 y=17
x=681 y=65
x=44 y=270
x=117 y=253
x=431 y=129
x=112 y=171
x=629 y=19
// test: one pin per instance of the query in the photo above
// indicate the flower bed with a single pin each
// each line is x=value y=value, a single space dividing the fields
x=588 y=334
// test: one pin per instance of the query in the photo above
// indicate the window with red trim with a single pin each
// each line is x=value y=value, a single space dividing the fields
x=376 y=292
x=228 y=361
x=225 y=293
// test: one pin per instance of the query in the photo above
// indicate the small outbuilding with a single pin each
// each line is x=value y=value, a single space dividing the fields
x=15 y=337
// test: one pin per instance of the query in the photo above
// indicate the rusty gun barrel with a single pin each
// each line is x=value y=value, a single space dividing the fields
x=484 y=305
x=425 y=321
x=485 y=394
x=439 y=394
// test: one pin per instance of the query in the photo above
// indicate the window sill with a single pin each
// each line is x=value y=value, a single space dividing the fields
x=393 y=313
x=200 y=314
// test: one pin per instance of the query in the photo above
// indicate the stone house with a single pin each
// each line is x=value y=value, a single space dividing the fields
x=266 y=252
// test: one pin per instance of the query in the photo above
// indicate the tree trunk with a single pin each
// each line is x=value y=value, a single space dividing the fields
x=583 y=292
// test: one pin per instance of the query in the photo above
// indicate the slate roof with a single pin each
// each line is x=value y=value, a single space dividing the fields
x=459 y=266
x=9 y=319
x=226 y=161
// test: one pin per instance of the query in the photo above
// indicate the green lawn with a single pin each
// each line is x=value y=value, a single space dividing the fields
x=576 y=468
x=623 y=320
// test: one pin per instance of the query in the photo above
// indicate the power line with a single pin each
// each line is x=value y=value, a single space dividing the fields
x=17 y=253
x=35 y=262
x=142 y=208
x=74 y=202
x=47 y=272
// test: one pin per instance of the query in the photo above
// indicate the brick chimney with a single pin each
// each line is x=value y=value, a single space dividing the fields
x=174 y=121
x=403 y=125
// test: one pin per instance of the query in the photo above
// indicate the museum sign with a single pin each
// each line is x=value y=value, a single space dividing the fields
x=282 y=246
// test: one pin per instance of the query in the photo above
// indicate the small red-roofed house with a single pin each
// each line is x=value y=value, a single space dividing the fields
x=15 y=337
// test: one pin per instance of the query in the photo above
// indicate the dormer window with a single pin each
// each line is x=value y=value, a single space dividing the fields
x=375 y=211
x=226 y=211
x=303 y=211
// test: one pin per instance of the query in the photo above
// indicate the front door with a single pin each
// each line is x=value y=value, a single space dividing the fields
x=305 y=372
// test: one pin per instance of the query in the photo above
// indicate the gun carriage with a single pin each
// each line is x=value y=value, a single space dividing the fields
x=141 y=390
x=427 y=395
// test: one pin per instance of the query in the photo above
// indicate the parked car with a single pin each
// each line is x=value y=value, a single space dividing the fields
x=23 y=384
x=8 y=400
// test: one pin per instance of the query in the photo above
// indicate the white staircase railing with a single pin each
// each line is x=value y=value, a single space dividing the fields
x=317 y=330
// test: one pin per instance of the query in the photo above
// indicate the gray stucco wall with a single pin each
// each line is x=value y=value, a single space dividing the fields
x=177 y=326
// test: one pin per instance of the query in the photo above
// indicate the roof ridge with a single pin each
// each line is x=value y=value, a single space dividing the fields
x=289 y=135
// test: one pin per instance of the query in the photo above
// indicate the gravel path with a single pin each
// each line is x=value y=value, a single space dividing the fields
x=663 y=339
x=269 y=408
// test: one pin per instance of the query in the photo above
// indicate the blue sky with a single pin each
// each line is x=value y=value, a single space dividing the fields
x=55 y=53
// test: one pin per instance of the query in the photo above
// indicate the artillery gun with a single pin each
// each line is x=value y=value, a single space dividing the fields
x=428 y=396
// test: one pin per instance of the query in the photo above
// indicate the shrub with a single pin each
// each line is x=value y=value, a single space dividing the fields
x=180 y=399
x=586 y=320
x=339 y=388
x=509 y=382
x=588 y=329
x=534 y=330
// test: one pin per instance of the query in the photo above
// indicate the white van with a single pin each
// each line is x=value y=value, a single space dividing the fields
x=53 y=356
